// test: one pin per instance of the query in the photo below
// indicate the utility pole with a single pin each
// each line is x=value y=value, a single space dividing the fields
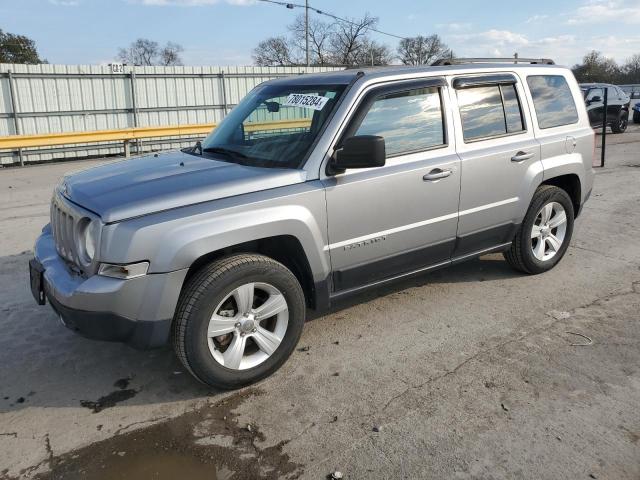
x=306 y=27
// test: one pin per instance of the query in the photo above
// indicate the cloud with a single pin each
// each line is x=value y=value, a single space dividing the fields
x=454 y=27
x=65 y=3
x=601 y=11
x=536 y=18
x=504 y=43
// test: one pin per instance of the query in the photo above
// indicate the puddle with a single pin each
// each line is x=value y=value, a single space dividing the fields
x=207 y=443
x=149 y=465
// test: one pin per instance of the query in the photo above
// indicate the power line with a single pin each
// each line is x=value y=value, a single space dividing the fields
x=291 y=5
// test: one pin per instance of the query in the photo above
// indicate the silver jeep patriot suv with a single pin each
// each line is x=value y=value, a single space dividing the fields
x=314 y=188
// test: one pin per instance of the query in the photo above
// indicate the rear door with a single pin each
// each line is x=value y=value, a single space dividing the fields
x=500 y=157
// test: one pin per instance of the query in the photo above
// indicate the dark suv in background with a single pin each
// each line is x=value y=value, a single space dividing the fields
x=617 y=105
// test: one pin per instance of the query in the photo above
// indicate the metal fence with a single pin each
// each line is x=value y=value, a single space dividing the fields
x=40 y=99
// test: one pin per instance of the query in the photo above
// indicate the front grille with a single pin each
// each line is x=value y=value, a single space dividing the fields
x=64 y=224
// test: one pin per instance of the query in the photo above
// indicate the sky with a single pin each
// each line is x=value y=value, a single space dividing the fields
x=224 y=32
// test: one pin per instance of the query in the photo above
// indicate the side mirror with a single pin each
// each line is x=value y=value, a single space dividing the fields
x=361 y=151
x=596 y=99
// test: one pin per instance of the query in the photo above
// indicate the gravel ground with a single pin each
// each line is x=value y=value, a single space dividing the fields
x=469 y=372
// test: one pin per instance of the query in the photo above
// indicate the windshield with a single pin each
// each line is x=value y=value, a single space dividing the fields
x=274 y=125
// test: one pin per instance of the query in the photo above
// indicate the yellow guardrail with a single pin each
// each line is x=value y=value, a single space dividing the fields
x=128 y=134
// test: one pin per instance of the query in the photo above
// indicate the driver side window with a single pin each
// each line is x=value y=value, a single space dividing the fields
x=409 y=121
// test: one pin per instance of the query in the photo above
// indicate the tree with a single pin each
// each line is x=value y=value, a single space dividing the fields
x=631 y=69
x=596 y=68
x=373 y=53
x=273 y=51
x=147 y=52
x=18 y=49
x=348 y=39
x=423 y=50
x=341 y=42
x=170 y=54
x=319 y=39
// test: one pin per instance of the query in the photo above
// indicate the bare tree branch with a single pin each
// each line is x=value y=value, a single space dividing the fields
x=319 y=39
x=147 y=52
x=273 y=51
x=170 y=54
x=422 y=50
x=348 y=39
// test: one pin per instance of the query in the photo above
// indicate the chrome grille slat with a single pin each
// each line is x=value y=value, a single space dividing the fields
x=63 y=233
x=64 y=225
x=69 y=237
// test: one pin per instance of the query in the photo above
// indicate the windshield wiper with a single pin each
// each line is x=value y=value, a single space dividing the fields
x=225 y=151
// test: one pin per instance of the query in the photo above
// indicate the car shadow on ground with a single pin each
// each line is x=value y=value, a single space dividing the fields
x=43 y=364
x=484 y=269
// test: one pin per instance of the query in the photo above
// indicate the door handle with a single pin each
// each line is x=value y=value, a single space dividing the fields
x=521 y=156
x=436 y=174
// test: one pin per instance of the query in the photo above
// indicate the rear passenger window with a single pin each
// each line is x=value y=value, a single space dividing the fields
x=489 y=111
x=552 y=100
x=409 y=121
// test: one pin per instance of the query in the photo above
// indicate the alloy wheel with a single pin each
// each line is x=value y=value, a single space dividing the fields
x=548 y=231
x=247 y=327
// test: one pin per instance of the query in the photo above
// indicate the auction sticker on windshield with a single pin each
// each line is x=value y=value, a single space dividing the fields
x=306 y=101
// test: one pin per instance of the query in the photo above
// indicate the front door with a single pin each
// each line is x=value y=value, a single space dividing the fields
x=595 y=105
x=388 y=221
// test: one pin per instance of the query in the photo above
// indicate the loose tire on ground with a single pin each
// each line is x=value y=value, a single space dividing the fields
x=520 y=254
x=203 y=294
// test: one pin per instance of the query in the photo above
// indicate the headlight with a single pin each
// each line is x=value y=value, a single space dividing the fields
x=125 y=272
x=88 y=240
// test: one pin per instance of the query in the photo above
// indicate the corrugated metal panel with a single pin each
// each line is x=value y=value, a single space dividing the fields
x=71 y=98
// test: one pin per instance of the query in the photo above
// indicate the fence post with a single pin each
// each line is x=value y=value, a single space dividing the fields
x=224 y=92
x=604 y=125
x=14 y=111
x=134 y=107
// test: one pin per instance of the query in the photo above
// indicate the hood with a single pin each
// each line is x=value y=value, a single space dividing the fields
x=131 y=188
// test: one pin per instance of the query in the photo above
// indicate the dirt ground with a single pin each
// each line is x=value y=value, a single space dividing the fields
x=471 y=372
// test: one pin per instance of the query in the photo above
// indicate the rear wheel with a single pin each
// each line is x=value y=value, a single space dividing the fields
x=621 y=123
x=238 y=320
x=545 y=233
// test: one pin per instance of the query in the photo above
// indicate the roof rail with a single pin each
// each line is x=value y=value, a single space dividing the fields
x=459 y=61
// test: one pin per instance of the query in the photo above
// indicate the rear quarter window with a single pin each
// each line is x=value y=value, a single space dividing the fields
x=552 y=100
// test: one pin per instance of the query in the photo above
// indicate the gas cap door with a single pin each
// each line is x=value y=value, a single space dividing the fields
x=570 y=144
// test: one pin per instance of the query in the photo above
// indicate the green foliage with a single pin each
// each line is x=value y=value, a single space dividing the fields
x=18 y=49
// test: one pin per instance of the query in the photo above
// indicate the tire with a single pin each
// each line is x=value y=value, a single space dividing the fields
x=636 y=117
x=526 y=253
x=214 y=290
x=621 y=123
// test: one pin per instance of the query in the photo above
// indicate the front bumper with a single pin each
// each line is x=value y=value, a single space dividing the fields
x=137 y=311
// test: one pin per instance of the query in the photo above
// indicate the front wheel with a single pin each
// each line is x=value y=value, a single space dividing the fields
x=545 y=233
x=238 y=320
x=636 y=116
